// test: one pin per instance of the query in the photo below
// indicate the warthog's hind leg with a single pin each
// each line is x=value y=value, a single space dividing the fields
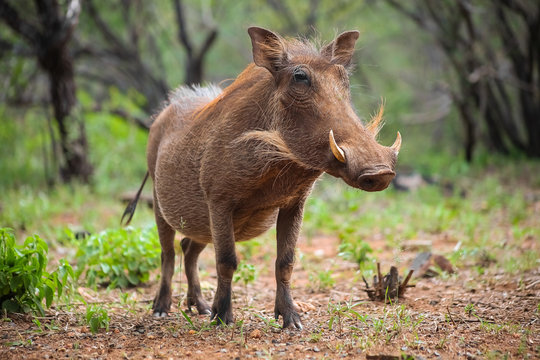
x=191 y=251
x=162 y=301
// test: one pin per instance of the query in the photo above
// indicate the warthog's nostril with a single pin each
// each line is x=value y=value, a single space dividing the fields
x=376 y=181
x=369 y=182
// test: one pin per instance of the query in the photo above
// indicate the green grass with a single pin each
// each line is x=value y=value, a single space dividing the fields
x=486 y=205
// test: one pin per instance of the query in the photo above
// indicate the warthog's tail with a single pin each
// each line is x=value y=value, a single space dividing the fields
x=130 y=208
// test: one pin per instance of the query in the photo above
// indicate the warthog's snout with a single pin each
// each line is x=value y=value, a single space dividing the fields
x=375 y=179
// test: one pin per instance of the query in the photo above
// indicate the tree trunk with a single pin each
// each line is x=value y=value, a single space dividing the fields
x=73 y=143
x=49 y=35
x=194 y=71
x=55 y=59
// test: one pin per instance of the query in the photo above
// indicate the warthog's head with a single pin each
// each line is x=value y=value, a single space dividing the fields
x=317 y=120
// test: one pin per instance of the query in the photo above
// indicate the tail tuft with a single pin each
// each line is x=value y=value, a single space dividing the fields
x=130 y=208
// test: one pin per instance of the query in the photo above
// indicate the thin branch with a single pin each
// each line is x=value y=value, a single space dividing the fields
x=140 y=121
x=11 y=17
x=210 y=38
x=281 y=8
x=516 y=7
x=397 y=5
x=121 y=49
x=182 y=31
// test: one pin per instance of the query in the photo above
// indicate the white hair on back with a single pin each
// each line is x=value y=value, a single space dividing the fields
x=186 y=93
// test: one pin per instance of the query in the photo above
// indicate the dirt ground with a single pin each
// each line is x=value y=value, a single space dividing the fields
x=467 y=315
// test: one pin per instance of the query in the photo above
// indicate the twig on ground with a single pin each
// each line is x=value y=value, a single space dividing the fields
x=386 y=288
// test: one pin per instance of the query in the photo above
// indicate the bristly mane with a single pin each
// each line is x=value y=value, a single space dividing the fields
x=184 y=96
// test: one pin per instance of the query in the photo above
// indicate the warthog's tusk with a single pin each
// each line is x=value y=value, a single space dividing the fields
x=336 y=150
x=397 y=144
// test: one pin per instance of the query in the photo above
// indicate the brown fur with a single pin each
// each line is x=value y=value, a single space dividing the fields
x=227 y=168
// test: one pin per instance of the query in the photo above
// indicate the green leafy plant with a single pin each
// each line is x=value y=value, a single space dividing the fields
x=97 y=318
x=341 y=311
x=270 y=322
x=119 y=257
x=24 y=281
x=246 y=273
x=322 y=280
x=356 y=252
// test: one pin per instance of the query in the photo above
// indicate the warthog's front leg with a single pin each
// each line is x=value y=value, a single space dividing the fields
x=288 y=226
x=226 y=262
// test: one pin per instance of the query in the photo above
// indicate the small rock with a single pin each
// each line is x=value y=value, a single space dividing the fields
x=256 y=334
x=316 y=349
x=443 y=263
x=223 y=350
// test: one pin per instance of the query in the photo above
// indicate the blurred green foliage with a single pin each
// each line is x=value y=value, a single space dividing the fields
x=25 y=284
x=119 y=257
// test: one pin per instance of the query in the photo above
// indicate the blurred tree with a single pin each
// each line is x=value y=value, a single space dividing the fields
x=195 y=58
x=47 y=29
x=494 y=49
x=129 y=52
x=119 y=55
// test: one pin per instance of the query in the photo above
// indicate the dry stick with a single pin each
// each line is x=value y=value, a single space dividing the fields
x=530 y=286
x=365 y=282
x=450 y=315
x=379 y=283
x=403 y=285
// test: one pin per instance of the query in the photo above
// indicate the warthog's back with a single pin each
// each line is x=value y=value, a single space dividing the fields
x=174 y=153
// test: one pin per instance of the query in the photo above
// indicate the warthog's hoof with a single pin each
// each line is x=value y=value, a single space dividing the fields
x=290 y=319
x=223 y=316
x=202 y=306
x=289 y=314
x=161 y=306
x=160 y=314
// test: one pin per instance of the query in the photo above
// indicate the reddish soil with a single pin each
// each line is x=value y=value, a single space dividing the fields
x=462 y=316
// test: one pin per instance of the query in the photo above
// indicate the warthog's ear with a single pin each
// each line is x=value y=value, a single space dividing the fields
x=268 y=49
x=341 y=49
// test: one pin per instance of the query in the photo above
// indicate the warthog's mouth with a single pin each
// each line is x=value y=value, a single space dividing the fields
x=375 y=179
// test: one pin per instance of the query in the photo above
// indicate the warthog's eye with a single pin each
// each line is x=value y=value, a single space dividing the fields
x=300 y=76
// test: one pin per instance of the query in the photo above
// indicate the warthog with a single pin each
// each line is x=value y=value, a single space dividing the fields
x=228 y=164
